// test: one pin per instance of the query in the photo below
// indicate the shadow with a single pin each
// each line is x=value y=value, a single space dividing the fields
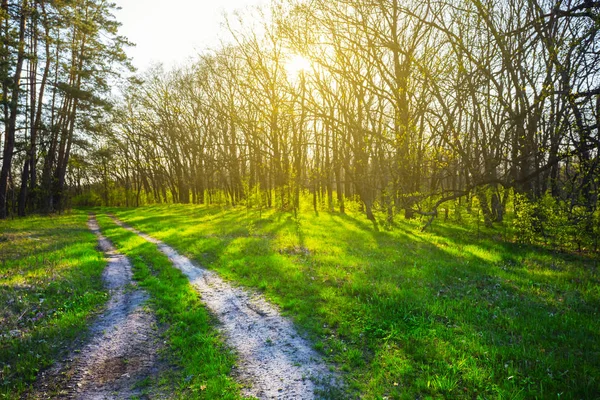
x=516 y=313
x=467 y=312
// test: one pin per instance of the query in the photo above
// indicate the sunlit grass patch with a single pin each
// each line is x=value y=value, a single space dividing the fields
x=50 y=284
x=448 y=314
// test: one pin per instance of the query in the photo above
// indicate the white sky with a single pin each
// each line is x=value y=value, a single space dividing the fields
x=172 y=31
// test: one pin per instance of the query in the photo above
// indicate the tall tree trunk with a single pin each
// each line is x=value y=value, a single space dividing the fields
x=9 y=139
x=77 y=54
x=35 y=118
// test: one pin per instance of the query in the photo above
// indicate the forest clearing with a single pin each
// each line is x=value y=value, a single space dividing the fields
x=300 y=199
x=393 y=313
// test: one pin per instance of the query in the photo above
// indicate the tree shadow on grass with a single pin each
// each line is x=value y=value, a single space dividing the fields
x=471 y=293
x=449 y=296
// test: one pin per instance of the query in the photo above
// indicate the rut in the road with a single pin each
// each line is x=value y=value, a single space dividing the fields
x=274 y=361
x=123 y=346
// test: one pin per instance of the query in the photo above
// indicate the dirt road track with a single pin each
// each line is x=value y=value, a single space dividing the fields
x=122 y=346
x=274 y=361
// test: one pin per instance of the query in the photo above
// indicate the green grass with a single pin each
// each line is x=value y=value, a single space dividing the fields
x=450 y=314
x=50 y=285
x=193 y=346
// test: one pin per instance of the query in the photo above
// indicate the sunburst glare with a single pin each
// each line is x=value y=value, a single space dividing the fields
x=296 y=65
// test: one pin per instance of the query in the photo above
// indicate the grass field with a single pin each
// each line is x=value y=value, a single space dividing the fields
x=406 y=314
x=50 y=284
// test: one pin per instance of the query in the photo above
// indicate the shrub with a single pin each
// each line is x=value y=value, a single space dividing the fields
x=88 y=199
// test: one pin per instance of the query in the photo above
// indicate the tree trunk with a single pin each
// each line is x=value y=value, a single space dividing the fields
x=9 y=139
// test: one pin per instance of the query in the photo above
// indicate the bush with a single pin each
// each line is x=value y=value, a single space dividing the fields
x=526 y=219
x=553 y=222
x=87 y=199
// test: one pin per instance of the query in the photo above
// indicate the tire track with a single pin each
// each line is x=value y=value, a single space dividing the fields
x=122 y=349
x=274 y=361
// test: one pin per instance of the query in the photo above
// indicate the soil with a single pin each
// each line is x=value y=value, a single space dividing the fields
x=123 y=343
x=274 y=361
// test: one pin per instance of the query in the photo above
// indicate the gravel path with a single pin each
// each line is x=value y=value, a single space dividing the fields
x=274 y=361
x=122 y=349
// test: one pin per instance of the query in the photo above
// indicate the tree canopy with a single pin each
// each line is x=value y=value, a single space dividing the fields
x=402 y=106
x=57 y=62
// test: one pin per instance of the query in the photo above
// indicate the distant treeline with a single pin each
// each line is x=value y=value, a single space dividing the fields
x=56 y=60
x=402 y=105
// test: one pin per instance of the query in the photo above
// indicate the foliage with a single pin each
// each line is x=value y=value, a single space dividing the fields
x=393 y=103
x=87 y=199
x=526 y=222
x=555 y=223
x=57 y=61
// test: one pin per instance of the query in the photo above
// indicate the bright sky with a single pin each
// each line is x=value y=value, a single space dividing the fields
x=172 y=31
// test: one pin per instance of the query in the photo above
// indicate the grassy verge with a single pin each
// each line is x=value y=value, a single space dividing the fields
x=50 y=284
x=408 y=314
x=193 y=345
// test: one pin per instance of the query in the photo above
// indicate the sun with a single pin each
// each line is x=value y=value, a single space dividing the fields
x=296 y=65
